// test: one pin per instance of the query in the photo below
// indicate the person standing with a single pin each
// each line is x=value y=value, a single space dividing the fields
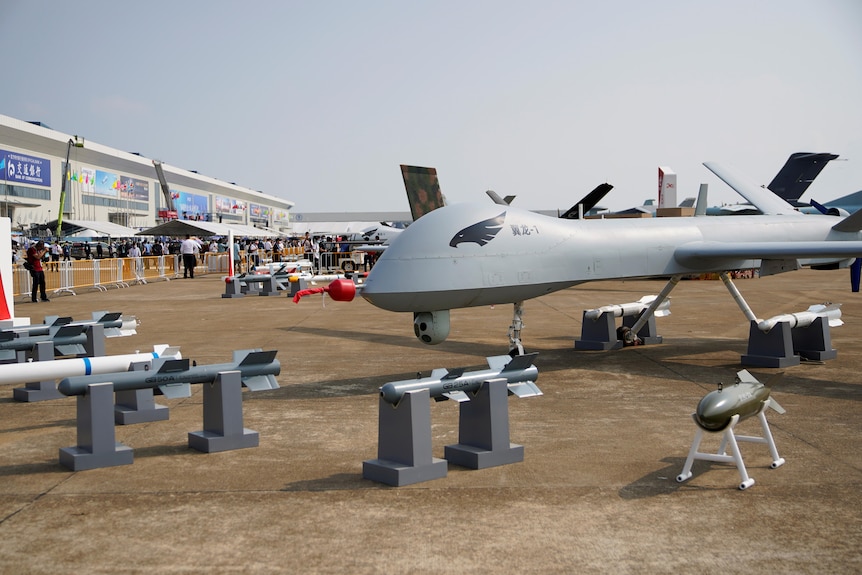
x=56 y=252
x=34 y=258
x=189 y=249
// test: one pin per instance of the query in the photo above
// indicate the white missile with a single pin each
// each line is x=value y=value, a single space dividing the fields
x=830 y=311
x=20 y=373
x=629 y=309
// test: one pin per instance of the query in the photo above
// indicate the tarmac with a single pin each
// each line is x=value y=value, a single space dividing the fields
x=595 y=493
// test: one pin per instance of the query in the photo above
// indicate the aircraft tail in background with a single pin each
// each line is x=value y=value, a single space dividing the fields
x=797 y=174
x=423 y=190
x=588 y=202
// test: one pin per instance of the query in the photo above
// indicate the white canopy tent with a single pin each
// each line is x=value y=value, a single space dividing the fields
x=98 y=229
x=179 y=228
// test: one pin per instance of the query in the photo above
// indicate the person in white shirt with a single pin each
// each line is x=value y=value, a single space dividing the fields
x=189 y=249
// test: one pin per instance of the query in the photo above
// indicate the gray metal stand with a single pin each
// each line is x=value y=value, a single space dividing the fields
x=647 y=333
x=223 y=427
x=232 y=288
x=814 y=342
x=404 y=443
x=95 y=346
x=770 y=349
x=483 y=430
x=39 y=390
x=269 y=287
x=97 y=445
x=598 y=334
x=297 y=286
x=138 y=405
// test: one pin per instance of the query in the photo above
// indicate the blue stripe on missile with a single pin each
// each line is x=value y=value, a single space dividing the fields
x=87 y=367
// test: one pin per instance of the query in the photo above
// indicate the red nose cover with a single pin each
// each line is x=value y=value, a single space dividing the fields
x=338 y=290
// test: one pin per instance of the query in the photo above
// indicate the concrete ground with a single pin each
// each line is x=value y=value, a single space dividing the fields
x=596 y=492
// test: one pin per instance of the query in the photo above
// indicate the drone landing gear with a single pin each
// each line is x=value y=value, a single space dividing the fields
x=515 y=346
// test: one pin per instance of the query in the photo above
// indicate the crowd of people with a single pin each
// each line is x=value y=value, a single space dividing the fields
x=40 y=256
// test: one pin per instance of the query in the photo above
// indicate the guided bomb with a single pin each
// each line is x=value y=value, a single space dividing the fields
x=519 y=372
x=746 y=398
x=172 y=377
x=629 y=309
x=829 y=311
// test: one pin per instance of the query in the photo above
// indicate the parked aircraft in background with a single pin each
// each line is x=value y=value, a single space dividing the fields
x=468 y=255
x=383 y=233
x=791 y=181
x=839 y=206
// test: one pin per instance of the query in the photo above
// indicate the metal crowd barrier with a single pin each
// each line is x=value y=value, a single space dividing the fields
x=102 y=274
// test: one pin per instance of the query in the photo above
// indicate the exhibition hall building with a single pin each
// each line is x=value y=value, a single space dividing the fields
x=103 y=184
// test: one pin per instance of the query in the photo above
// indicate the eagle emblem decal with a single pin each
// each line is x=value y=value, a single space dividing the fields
x=480 y=233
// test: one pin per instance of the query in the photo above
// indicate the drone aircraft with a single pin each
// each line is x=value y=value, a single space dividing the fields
x=467 y=255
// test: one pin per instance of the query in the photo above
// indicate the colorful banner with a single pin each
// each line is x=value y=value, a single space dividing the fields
x=134 y=189
x=24 y=169
x=189 y=206
x=87 y=180
x=107 y=184
x=225 y=205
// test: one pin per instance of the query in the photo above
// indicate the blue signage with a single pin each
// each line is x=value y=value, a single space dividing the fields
x=23 y=169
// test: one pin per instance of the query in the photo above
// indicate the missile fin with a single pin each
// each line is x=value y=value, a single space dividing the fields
x=67 y=331
x=168 y=351
x=498 y=362
x=438 y=373
x=774 y=405
x=745 y=377
x=110 y=317
x=70 y=349
x=520 y=362
x=176 y=390
x=167 y=365
x=458 y=396
x=525 y=389
x=260 y=382
x=454 y=373
x=257 y=356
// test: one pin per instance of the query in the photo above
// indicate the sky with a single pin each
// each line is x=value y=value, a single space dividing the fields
x=318 y=102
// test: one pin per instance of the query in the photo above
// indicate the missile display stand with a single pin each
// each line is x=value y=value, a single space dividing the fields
x=248 y=285
x=735 y=457
x=404 y=443
x=138 y=405
x=601 y=334
x=97 y=446
x=223 y=424
x=782 y=346
x=38 y=390
x=483 y=430
x=44 y=351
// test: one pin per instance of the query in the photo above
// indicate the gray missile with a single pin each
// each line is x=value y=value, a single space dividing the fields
x=746 y=398
x=173 y=377
x=113 y=322
x=519 y=372
x=67 y=340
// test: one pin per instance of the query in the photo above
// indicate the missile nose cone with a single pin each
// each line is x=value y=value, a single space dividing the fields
x=65 y=387
x=712 y=413
x=389 y=393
